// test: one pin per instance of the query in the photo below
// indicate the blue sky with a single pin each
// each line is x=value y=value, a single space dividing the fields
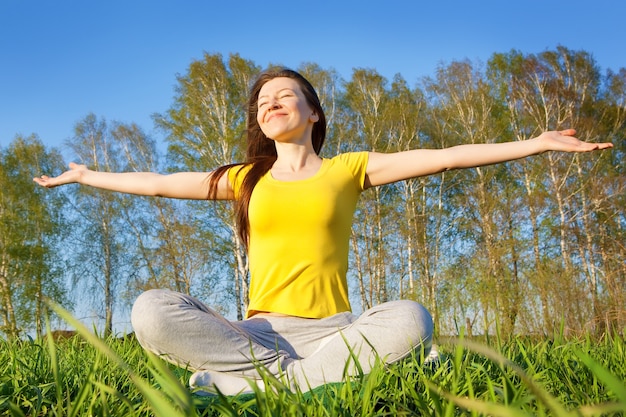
x=60 y=60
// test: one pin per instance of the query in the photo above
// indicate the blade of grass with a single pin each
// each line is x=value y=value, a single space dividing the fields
x=614 y=383
x=547 y=399
x=482 y=407
x=114 y=393
x=82 y=396
x=168 y=381
x=15 y=410
x=160 y=404
x=54 y=364
x=607 y=409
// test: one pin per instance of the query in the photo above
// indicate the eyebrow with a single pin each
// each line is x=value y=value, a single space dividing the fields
x=279 y=91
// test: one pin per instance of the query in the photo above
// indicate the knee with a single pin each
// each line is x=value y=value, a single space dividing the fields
x=145 y=304
x=407 y=321
x=416 y=321
x=146 y=314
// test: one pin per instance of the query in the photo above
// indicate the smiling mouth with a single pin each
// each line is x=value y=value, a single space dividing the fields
x=274 y=115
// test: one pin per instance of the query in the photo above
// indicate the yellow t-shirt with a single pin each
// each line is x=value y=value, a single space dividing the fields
x=299 y=238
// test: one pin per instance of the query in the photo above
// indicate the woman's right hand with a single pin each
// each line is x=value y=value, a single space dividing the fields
x=73 y=175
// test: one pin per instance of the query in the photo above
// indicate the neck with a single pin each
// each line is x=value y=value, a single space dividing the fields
x=294 y=157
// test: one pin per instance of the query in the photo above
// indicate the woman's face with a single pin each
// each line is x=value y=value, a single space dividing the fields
x=284 y=114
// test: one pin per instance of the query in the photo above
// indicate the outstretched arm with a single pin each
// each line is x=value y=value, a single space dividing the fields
x=185 y=185
x=387 y=168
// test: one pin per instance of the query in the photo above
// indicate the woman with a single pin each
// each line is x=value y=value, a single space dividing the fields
x=294 y=212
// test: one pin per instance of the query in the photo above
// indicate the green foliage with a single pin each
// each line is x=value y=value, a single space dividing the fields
x=31 y=226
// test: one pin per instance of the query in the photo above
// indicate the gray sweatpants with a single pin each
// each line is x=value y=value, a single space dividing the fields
x=311 y=352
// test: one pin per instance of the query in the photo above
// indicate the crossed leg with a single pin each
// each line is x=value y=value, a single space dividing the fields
x=310 y=352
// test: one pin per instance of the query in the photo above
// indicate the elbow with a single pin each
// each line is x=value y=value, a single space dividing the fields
x=447 y=162
x=153 y=191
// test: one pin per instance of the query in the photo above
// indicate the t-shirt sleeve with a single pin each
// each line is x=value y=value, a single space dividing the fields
x=236 y=174
x=356 y=163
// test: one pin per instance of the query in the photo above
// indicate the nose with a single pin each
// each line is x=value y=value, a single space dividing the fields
x=272 y=105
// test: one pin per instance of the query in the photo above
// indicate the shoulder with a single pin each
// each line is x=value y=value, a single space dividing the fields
x=355 y=163
x=236 y=174
x=352 y=159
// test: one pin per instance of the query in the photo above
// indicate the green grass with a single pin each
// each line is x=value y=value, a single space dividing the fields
x=520 y=377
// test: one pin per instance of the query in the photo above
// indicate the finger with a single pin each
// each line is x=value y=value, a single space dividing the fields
x=568 y=132
x=589 y=146
x=41 y=181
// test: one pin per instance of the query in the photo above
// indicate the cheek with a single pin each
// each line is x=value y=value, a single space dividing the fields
x=259 y=118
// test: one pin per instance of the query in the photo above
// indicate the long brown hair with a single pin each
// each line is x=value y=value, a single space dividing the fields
x=261 y=151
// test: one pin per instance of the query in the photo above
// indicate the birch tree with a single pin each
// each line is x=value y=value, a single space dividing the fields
x=205 y=129
x=366 y=100
x=102 y=261
x=32 y=228
x=462 y=91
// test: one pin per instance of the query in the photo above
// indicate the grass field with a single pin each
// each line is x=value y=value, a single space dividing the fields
x=85 y=375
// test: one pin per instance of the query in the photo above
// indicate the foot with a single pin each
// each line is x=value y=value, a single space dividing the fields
x=433 y=356
x=208 y=383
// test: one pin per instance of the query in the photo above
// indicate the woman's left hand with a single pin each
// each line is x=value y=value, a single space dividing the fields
x=564 y=141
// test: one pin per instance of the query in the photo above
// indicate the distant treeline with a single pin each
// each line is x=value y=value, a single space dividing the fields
x=524 y=247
